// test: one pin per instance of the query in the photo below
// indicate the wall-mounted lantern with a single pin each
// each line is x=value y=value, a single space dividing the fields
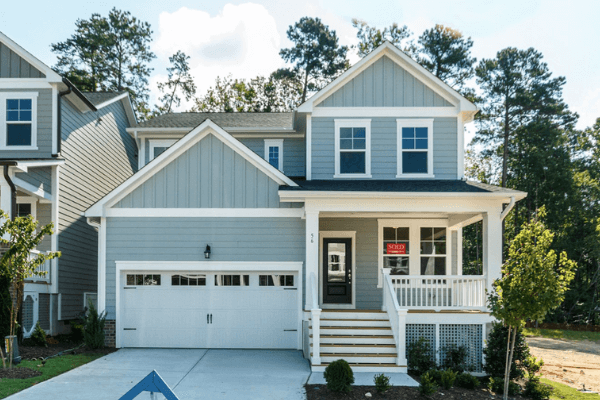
x=207 y=252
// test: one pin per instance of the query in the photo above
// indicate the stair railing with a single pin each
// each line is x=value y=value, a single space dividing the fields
x=315 y=314
x=397 y=317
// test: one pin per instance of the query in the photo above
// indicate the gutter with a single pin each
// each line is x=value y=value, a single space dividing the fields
x=59 y=122
x=509 y=207
x=13 y=189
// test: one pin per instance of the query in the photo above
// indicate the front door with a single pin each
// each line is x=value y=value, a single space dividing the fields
x=337 y=271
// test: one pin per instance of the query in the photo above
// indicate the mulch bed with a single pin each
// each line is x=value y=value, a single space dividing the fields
x=320 y=392
x=18 y=373
x=62 y=343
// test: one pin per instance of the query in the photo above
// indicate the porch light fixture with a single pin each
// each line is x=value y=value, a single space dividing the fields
x=207 y=252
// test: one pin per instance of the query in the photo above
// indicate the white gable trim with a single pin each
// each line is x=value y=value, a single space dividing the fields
x=51 y=76
x=197 y=134
x=388 y=49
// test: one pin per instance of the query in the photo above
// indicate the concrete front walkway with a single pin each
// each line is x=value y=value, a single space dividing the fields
x=191 y=374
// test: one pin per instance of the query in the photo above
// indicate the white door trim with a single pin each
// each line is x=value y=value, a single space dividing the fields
x=337 y=234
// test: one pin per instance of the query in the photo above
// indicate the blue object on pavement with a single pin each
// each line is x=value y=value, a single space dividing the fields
x=152 y=383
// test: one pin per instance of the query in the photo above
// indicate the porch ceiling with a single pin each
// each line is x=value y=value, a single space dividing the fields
x=455 y=220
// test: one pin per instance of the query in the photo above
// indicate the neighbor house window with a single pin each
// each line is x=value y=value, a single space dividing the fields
x=415 y=148
x=274 y=152
x=157 y=147
x=19 y=119
x=352 y=148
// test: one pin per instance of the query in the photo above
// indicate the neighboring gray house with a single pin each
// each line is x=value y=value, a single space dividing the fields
x=335 y=229
x=60 y=150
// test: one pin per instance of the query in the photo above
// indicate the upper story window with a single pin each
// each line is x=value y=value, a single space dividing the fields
x=274 y=152
x=352 y=148
x=18 y=120
x=415 y=148
x=157 y=147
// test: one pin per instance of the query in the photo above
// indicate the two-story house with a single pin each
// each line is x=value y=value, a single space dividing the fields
x=60 y=151
x=335 y=229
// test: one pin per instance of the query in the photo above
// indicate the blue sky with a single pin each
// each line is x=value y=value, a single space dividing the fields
x=243 y=38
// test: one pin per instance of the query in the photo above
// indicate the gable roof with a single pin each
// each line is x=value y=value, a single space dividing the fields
x=283 y=121
x=406 y=62
x=51 y=76
x=180 y=147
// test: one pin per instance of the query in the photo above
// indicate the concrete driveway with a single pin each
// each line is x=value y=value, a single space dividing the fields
x=190 y=373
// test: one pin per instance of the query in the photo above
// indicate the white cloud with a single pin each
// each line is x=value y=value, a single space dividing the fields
x=241 y=40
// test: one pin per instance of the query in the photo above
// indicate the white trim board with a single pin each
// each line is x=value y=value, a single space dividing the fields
x=337 y=235
x=206 y=212
x=394 y=112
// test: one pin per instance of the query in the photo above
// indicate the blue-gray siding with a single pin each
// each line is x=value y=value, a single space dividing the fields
x=14 y=66
x=44 y=127
x=384 y=148
x=294 y=153
x=183 y=239
x=39 y=177
x=99 y=156
x=208 y=175
x=44 y=217
x=384 y=84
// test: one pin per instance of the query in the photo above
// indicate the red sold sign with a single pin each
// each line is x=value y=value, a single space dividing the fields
x=396 y=248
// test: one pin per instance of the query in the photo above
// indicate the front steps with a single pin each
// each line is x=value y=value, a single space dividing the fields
x=361 y=337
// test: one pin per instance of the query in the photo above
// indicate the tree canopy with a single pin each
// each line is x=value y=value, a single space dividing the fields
x=179 y=82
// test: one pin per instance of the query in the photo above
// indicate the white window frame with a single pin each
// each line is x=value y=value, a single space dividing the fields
x=29 y=200
x=414 y=243
x=353 y=123
x=152 y=143
x=3 y=131
x=274 y=143
x=415 y=123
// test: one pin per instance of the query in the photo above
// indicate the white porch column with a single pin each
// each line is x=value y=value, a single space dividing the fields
x=5 y=197
x=312 y=252
x=492 y=246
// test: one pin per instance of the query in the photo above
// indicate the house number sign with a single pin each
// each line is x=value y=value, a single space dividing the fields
x=396 y=248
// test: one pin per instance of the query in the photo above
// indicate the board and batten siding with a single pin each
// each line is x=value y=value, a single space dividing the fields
x=294 y=154
x=184 y=239
x=384 y=84
x=37 y=176
x=99 y=156
x=14 y=66
x=208 y=175
x=384 y=144
x=44 y=127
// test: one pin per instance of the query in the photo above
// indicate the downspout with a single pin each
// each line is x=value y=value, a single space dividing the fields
x=59 y=122
x=509 y=207
x=13 y=189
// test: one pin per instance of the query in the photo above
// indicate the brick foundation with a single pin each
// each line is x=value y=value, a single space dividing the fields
x=109 y=333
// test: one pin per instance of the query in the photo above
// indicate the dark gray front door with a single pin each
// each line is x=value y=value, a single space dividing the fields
x=337 y=271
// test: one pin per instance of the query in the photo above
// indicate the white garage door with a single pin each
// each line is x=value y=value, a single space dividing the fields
x=209 y=310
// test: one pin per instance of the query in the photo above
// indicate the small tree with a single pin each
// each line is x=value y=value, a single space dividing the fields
x=534 y=281
x=20 y=236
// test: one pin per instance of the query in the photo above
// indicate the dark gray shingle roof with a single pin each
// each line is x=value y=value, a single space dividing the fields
x=97 y=98
x=224 y=120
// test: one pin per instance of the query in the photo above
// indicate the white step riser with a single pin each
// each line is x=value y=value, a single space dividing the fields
x=401 y=370
x=360 y=360
x=350 y=332
x=358 y=350
x=355 y=340
x=352 y=315
x=338 y=322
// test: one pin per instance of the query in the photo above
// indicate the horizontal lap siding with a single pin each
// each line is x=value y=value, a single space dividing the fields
x=99 y=155
x=44 y=217
x=14 y=66
x=184 y=239
x=368 y=296
x=384 y=148
x=38 y=177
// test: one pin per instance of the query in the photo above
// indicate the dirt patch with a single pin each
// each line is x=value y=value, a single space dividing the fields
x=572 y=362
x=320 y=392
x=18 y=373
x=59 y=344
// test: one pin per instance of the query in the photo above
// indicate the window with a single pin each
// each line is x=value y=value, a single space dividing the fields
x=396 y=250
x=157 y=147
x=143 y=280
x=232 y=280
x=26 y=206
x=415 y=148
x=274 y=152
x=352 y=148
x=433 y=251
x=276 y=280
x=18 y=118
x=188 y=280
x=23 y=210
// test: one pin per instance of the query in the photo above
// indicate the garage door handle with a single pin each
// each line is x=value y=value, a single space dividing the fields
x=207 y=320
x=211 y=318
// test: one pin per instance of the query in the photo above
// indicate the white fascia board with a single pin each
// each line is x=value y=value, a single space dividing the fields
x=292 y=195
x=23 y=165
x=24 y=83
x=207 y=127
x=32 y=189
x=395 y=112
x=206 y=212
x=113 y=100
x=51 y=76
x=209 y=266
x=142 y=130
x=227 y=128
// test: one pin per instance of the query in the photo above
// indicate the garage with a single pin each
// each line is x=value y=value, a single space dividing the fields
x=195 y=309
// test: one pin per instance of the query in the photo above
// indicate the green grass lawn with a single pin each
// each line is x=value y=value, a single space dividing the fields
x=562 y=334
x=54 y=366
x=564 y=392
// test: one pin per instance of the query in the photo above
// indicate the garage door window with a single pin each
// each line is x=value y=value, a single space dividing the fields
x=232 y=280
x=143 y=280
x=276 y=280
x=188 y=280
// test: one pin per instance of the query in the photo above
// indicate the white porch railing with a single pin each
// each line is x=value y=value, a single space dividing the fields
x=397 y=317
x=448 y=292
x=39 y=275
x=315 y=315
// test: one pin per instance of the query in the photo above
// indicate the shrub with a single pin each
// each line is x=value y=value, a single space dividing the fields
x=536 y=390
x=76 y=330
x=467 y=381
x=496 y=385
x=382 y=383
x=495 y=353
x=5 y=303
x=533 y=367
x=436 y=375
x=448 y=378
x=93 y=328
x=427 y=386
x=455 y=358
x=38 y=337
x=420 y=356
x=339 y=376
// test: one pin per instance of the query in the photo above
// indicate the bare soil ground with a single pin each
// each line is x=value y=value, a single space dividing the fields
x=572 y=362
